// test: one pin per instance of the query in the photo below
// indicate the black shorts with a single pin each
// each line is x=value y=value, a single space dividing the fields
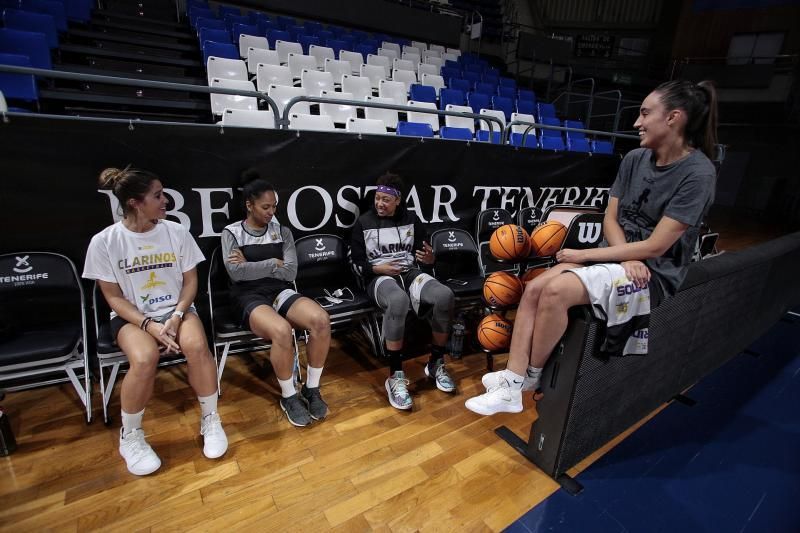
x=280 y=299
x=117 y=322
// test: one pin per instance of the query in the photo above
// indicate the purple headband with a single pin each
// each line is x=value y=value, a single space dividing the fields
x=388 y=190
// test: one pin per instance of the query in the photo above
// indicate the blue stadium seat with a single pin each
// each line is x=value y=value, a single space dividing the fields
x=449 y=132
x=576 y=140
x=224 y=11
x=230 y=20
x=491 y=71
x=255 y=16
x=552 y=143
x=452 y=64
x=485 y=88
x=324 y=36
x=530 y=140
x=312 y=27
x=528 y=96
x=545 y=110
x=508 y=82
x=472 y=77
x=349 y=42
x=550 y=121
x=423 y=93
x=506 y=105
x=265 y=26
x=451 y=96
x=371 y=43
x=307 y=40
x=474 y=68
x=285 y=23
x=218 y=36
x=55 y=9
x=196 y=12
x=336 y=45
x=478 y=101
x=16 y=19
x=526 y=106
x=414 y=129
x=508 y=92
x=212 y=48
x=277 y=35
x=359 y=34
x=18 y=86
x=211 y=24
x=458 y=83
x=79 y=10
x=490 y=78
x=483 y=136
x=27 y=43
x=297 y=31
x=602 y=147
x=365 y=49
x=247 y=29
x=450 y=72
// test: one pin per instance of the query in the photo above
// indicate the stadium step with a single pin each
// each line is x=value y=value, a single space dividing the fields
x=130 y=70
x=156 y=11
x=140 y=55
x=142 y=26
x=92 y=37
x=65 y=97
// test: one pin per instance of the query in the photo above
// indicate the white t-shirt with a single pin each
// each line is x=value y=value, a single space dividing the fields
x=148 y=266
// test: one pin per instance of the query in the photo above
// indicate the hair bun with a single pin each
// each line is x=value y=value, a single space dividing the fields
x=248 y=176
x=109 y=177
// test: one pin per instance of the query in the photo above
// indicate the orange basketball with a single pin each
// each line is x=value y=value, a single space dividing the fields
x=547 y=238
x=502 y=289
x=509 y=243
x=531 y=273
x=494 y=332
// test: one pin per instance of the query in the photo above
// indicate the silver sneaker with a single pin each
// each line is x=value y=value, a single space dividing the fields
x=492 y=380
x=500 y=399
x=397 y=388
x=215 y=442
x=444 y=382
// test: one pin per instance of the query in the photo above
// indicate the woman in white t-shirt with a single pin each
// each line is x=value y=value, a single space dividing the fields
x=145 y=267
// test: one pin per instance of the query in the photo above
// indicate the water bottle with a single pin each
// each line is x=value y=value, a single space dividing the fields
x=457 y=338
x=7 y=442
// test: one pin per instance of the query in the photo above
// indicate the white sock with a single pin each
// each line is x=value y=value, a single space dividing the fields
x=312 y=377
x=208 y=404
x=515 y=381
x=534 y=373
x=131 y=422
x=287 y=387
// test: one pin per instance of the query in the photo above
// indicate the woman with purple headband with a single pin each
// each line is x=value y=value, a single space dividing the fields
x=386 y=247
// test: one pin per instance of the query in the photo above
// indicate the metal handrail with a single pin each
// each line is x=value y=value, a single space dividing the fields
x=113 y=80
x=380 y=105
x=507 y=132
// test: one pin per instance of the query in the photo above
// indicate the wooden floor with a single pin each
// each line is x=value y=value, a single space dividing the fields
x=367 y=467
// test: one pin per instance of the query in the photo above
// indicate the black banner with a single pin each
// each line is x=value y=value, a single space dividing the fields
x=49 y=199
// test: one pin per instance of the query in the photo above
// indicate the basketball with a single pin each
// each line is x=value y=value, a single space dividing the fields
x=509 y=243
x=547 y=238
x=494 y=332
x=502 y=289
x=531 y=274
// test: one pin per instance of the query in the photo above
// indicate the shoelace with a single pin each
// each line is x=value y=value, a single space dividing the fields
x=211 y=426
x=137 y=443
x=400 y=387
x=442 y=375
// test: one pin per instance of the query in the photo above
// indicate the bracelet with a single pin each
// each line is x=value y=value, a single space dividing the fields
x=146 y=322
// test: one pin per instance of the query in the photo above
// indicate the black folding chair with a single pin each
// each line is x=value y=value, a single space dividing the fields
x=44 y=324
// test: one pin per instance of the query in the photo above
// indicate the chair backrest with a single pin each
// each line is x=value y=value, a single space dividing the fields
x=338 y=112
x=486 y=88
x=212 y=34
x=388 y=116
x=382 y=61
x=585 y=231
x=435 y=61
x=419 y=45
x=220 y=102
x=224 y=68
x=460 y=122
x=438 y=48
x=282 y=94
x=423 y=93
x=425 y=68
x=460 y=84
x=358 y=86
x=16 y=19
x=489 y=220
x=432 y=80
x=321 y=257
x=338 y=69
x=478 y=101
x=520 y=128
x=307 y=41
x=302 y=121
x=251 y=41
x=267 y=75
x=391 y=46
x=245 y=118
x=210 y=23
x=485 y=125
x=602 y=147
x=414 y=129
x=391 y=54
x=258 y=55
x=566 y=213
x=354 y=58
x=413 y=57
x=226 y=50
x=284 y=48
x=243 y=29
x=18 y=86
x=506 y=105
x=274 y=35
x=299 y=62
x=403 y=64
x=315 y=81
x=455 y=253
x=451 y=96
x=545 y=110
x=365 y=125
x=395 y=90
x=406 y=77
x=428 y=54
x=321 y=54
x=54 y=8
x=529 y=217
x=421 y=117
x=375 y=73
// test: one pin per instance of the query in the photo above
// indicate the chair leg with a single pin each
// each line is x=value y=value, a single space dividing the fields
x=112 y=379
x=83 y=392
x=221 y=367
x=298 y=378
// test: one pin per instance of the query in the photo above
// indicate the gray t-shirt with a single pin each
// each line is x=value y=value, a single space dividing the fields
x=683 y=191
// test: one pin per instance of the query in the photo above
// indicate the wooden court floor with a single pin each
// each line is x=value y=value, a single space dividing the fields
x=367 y=467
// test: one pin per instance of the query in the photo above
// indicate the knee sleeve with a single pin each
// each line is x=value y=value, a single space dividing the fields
x=443 y=301
x=394 y=302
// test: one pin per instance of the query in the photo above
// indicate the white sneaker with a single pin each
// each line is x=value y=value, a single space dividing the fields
x=492 y=380
x=500 y=399
x=215 y=443
x=139 y=456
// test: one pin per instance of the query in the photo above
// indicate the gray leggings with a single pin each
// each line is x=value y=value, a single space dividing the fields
x=395 y=303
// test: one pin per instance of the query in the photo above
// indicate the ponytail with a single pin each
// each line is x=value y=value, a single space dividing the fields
x=699 y=102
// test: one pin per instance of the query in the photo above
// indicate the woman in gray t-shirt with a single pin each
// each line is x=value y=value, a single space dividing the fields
x=658 y=200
